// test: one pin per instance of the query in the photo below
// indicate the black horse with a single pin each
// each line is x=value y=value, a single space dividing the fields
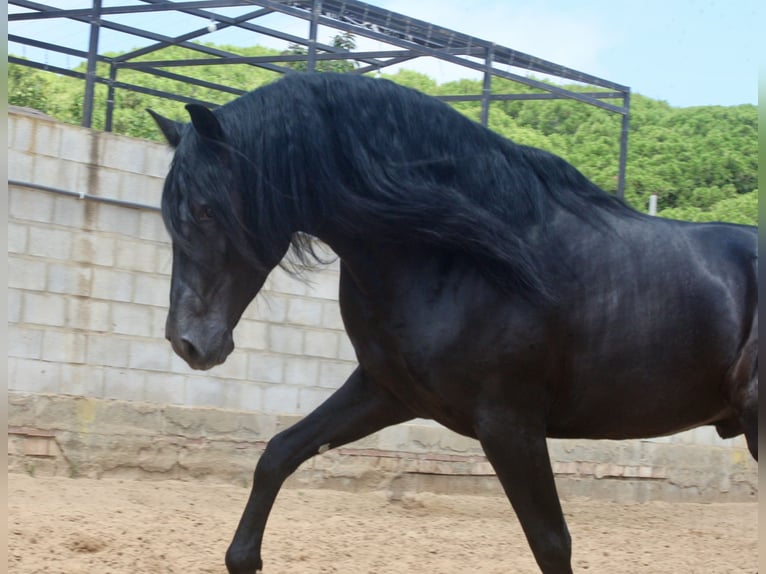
x=484 y=284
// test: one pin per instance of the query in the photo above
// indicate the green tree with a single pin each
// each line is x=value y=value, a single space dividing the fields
x=345 y=41
x=701 y=162
x=28 y=87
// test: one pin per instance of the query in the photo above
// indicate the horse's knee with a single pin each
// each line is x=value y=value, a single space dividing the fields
x=271 y=463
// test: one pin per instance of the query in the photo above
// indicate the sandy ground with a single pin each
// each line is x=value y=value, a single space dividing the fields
x=83 y=526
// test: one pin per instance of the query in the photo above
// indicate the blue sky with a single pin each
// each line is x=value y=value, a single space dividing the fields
x=685 y=52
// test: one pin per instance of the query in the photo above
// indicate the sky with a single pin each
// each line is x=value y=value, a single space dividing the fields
x=684 y=52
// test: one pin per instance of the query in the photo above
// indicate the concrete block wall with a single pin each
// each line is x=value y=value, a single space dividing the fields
x=87 y=298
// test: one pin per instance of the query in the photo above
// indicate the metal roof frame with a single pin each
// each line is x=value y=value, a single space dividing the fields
x=410 y=38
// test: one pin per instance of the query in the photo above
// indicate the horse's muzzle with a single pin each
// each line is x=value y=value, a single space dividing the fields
x=202 y=357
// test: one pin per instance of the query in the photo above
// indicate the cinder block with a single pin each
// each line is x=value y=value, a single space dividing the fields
x=23 y=128
x=47 y=138
x=309 y=399
x=69 y=211
x=105 y=182
x=44 y=309
x=204 y=392
x=321 y=344
x=17 y=237
x=21 y=166
x=178 y=365
x=26 y=273
x=112 y=285
x=157 y=159
x=280 y=399
x=235 y=366
x=88 y=314
x=324 y=285
x=136 y=256
x=152 y=290
x=64 y=346
x=50 y=243
x=346 y=350
x=121 y=153
x=250 y=397
x=268 y=306
x=232 y=394
x=151 y=228
x=302 y=311
x=14 y=306
x=94 y=248
x=71 y=279
x=265 y=368
x=157 y=327
x=332 y=374
x=76 y=145
x=60 y=174
x=30 y=205
x=116 y=219
x=33 y=376
x=331 y=317
x=280 y=281
x=138 y=188
x=82 y=380
x=150 y=355
x=301 y=371
x=285 y=339
x=125 y=384
x=130 y=319
x=25 y=342
x=251 y=335
x=164 y=264
x=165 y=388
x=108 y=351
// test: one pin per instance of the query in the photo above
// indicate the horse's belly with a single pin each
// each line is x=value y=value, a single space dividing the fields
x=637 y=409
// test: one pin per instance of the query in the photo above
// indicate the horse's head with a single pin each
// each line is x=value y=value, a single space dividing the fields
x=216 y=270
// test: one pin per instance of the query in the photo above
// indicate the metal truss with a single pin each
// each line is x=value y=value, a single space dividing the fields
x=408 y=39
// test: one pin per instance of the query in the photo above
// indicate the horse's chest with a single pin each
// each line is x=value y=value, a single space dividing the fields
x=420 y=366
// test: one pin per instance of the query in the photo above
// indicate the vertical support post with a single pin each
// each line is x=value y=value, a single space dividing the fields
x=486 y=90
x=90 y=74
x=623 y=146
x=110 y=97
x=316 y=10
x=653 y=204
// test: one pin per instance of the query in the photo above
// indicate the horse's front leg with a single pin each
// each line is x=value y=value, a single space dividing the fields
x=357 y=409
x=514 y=442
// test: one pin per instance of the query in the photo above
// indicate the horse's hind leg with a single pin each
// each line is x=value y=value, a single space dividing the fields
x=518 y=452
x=354 y=411
x=743 y=389
x=748 y=414
x=750 y=420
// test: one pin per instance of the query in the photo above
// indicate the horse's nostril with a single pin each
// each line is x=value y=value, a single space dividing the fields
x=188 y=349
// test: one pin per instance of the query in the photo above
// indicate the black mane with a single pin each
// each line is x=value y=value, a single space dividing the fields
x=381 y=160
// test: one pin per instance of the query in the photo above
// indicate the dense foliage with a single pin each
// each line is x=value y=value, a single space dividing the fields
x=701 y=162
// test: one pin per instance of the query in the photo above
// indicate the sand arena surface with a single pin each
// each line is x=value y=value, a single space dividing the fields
x=59 y=525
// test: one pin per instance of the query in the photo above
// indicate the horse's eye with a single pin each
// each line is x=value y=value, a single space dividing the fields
x=204 y=213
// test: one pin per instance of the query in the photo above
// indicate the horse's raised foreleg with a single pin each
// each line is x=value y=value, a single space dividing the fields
x=517 y=450
x=355 y=410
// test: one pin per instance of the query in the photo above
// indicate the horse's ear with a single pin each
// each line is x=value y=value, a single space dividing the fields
x=170 y=128
x=205 y=122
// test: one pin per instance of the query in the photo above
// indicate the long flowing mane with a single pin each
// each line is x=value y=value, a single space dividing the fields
x=374 y=158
